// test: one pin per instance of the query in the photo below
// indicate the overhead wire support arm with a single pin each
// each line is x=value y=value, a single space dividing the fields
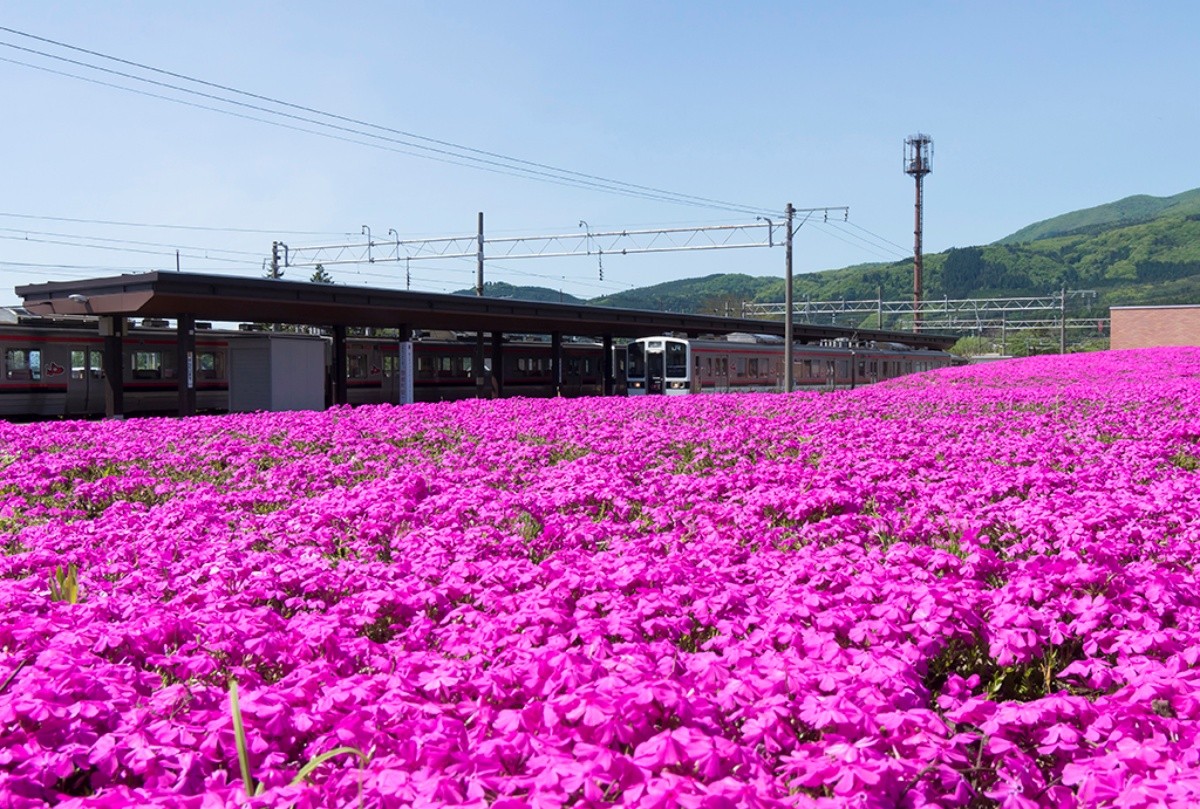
x=623 y=242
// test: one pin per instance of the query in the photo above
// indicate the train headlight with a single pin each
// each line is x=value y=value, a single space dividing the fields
x=677 y=385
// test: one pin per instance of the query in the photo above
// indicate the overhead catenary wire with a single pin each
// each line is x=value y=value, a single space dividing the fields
x=110 y=240
x=855 y=241
x=116 y=223
x=124 y=249
x=361 y=132
x=479 y=158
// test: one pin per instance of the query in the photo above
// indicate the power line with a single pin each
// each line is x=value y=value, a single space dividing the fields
x=877 y=247
x=899 y=247
x=475 y=157
x=84 y=239
x=859 y=244
x=464 y=161
x=425 y=147
x=109 y=222
x=124 y=249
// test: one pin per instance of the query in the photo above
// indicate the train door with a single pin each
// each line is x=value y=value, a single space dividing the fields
x=85 y=391
x=390 y=365
x=656 y=370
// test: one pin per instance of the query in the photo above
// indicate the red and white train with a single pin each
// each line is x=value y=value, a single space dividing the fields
x=675 y=366
x=54 y=368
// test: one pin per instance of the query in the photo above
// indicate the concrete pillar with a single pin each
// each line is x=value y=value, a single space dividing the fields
x=185 y=363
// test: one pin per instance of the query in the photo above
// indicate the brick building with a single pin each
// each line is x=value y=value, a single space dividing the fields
x=1150 y=326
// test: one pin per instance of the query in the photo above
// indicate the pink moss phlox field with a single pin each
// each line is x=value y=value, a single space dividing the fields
x=975 y=586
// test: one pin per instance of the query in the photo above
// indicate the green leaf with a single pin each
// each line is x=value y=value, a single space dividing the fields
x=317 y=761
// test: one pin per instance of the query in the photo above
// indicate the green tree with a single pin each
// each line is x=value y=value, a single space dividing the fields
x=972 y=346
x=319 y=276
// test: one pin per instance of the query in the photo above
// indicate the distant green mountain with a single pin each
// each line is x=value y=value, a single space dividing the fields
x=1128 y=211
x=499 y=289
x=1139 y=250
x=713 y=294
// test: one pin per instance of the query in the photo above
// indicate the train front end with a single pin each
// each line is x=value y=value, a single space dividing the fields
x=658 y=365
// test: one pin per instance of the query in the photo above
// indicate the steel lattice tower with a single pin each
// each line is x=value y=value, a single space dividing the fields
x=918 y=161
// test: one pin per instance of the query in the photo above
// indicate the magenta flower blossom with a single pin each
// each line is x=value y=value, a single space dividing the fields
x=970 y=586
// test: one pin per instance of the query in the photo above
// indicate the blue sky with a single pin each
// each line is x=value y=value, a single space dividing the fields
x=1035 y=109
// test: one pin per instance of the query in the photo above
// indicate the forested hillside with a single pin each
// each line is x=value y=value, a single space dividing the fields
x=1152 y=262
x=1140 y=250
x=1128 y=211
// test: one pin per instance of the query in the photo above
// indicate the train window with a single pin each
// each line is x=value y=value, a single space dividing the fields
x=147 y=365
x=446 y=365
x=753 y=367
x=23 y=363
x=572 y=366
x=587 y=365
x=168 y=365
x=723 y=366
x=211 y=365
x=425 y=367
x=676 y=359
x=79 y=368
x=708 y=368
x=356 y=366
x=636 y=355
x=466 y=366
x=843 y=369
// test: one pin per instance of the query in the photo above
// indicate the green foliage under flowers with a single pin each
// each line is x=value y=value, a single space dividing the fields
x=254 y=788
x=1021 y=682
x=64 y=585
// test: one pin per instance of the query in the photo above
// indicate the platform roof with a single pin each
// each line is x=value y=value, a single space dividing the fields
x=264 y=300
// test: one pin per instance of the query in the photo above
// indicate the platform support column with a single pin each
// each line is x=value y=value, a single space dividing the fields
x=112 y=328
x=497 y=364
x=556 y=362
x=185 y=363
x=404 y=365
x=606 y=365
x=339 y=365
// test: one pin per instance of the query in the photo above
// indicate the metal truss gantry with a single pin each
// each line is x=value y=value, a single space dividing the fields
x=586 y=243
x=952 y=313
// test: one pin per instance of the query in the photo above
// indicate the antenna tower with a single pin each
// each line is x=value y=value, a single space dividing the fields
x=918 y=161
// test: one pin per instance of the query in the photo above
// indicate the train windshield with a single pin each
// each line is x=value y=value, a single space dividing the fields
x=637 y=361
x=676 y=360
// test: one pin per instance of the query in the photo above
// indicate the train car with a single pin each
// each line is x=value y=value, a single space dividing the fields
x=56 y=369
x=675 y=366
x=443 y=370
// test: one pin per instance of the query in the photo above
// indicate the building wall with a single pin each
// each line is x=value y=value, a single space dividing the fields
x=1151 y=326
